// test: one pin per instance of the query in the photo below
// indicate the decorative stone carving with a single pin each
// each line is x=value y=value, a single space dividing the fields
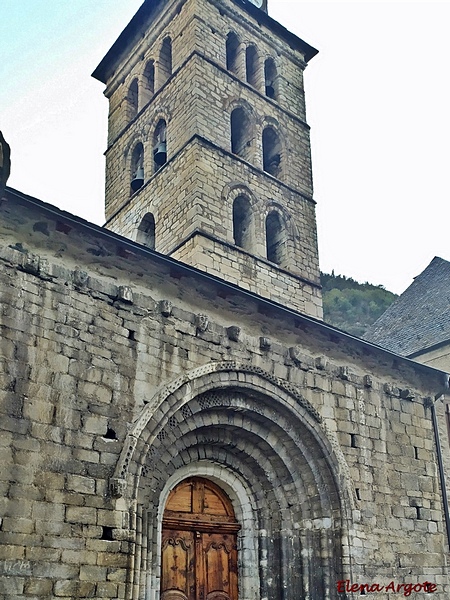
x=265 y=343
x=294 y=353
x=344 y=373
x=233 y=333
x=368 y=382
x=117 y=487
x=201 y=323
x=320 y=363
x=166 y=308
x=125 y=294
x=80 y=278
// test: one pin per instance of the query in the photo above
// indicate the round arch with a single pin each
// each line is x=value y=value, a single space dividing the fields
x=267 y=447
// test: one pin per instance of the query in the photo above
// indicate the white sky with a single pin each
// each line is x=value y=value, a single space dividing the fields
x=378 y=102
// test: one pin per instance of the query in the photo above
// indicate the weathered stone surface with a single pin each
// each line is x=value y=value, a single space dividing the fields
x=108 y=398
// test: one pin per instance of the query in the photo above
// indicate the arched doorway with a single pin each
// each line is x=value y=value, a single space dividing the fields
x=199 y=543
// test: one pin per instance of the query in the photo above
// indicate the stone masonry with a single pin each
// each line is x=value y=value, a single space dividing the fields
x=125 y=371
x=184 y=340
x=191 y=196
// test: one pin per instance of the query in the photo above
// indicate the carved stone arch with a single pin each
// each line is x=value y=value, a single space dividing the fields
x=182 y=390
x=244 y=506
x=235 y=422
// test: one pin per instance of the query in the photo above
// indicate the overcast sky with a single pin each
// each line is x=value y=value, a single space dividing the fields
x=378 y=102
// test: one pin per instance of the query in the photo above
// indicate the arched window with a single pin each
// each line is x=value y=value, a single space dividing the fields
x=271 y=79
x=276 y=239
x=148 y=81
x=271 y=152
x=251 y=65
x=133 y=99
x=241 y=133
x=232 y=51
x=146 y=231
x=160 y=145
x=165 y=61
x=137 y=168
x=242 y=223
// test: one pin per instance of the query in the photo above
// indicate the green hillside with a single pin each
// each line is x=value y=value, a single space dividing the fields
x=353 y=306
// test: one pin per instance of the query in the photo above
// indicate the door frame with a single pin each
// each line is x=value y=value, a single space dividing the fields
x=244 y=507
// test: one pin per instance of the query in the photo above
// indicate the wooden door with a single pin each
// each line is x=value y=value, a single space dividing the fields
x=199 y=544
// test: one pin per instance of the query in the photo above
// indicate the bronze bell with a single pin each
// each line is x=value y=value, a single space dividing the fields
x=160 y=153
x=138 y=180
x=270 y=91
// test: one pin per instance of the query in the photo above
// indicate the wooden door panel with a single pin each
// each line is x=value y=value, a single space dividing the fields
x=178 y=563
x=199 y=544
x=220 y=565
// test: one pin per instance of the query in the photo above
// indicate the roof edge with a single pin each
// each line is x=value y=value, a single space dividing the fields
x=54 y=212
x=139 y=23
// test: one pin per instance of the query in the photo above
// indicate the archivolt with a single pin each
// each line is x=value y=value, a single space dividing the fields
x=236 y=423
x=180 y=399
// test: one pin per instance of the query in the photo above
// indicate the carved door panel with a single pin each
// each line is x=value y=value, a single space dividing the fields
x=199 y=544
x=177 y=565
x=219 y=568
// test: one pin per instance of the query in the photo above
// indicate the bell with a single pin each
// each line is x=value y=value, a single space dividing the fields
x=160 y=153
x=138 y=180
x=270 y=91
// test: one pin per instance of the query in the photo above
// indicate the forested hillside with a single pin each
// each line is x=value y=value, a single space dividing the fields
x=352 y=306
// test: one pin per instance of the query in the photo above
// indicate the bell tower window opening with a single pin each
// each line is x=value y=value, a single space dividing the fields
x=251 y=65
x=271 y=152
x=165 y=61
x=276 y=239
x=160 y=145
x=137 y=168
x=242 y=223
x=149 y=81
x=271 y=79
x=241 y=133
x=146 y=231
x=232 y=52
x=133 y=99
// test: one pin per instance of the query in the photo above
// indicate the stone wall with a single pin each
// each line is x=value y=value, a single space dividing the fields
x=124 y=371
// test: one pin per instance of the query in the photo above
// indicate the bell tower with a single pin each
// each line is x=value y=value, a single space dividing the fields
x=208 y=157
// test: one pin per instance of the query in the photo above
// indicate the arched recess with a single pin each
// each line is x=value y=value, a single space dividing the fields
x=148 y=82
x=272 y=152
x=267 y=448
x=165 y=61
x=232 y=53
x=243 y=226
x=159 y=145
x=146 y=231
x=276 y=239
x=133 y=100
x=242 y=133
x=251 y=65
x=199 y=557
x=271 y=79
x=137 y=168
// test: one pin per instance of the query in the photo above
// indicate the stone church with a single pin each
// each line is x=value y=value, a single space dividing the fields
x=177 y=422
